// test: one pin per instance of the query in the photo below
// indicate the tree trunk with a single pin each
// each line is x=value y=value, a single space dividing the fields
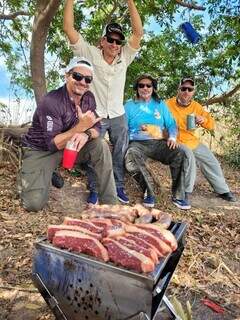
x=45 y=11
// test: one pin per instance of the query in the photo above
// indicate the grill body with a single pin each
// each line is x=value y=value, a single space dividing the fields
x=79 y=287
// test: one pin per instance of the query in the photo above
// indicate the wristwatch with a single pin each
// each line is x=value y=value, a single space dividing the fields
x=89 y=134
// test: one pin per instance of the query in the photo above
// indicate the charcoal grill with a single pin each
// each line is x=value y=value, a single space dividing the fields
x=79 y=287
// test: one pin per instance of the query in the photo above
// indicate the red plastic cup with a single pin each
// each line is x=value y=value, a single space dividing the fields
x=69 y=155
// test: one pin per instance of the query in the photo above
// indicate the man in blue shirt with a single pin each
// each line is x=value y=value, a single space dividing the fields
x=149 y=122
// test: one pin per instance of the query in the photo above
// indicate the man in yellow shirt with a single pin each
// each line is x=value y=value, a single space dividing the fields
x=181 y=107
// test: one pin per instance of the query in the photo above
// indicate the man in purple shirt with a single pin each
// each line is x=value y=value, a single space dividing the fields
x=67 y=113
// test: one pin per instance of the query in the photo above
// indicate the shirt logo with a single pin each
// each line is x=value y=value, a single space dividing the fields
x=49 y=123
x=157 y=114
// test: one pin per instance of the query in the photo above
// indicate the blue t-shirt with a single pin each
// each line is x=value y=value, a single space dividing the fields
x=147 y=119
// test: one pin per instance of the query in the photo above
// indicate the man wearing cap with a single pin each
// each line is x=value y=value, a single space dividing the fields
x=110 y=61
x=148 y=120
x=181 y=107
x=67 y=113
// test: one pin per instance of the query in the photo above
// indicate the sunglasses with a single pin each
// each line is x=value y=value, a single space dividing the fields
x=189 y=89
x=143 y=85
x=112 y=40
x=79 y=77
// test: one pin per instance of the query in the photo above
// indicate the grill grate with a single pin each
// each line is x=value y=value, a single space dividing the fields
x=79 y=287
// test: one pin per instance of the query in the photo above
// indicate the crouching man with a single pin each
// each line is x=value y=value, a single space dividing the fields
x=67 y=113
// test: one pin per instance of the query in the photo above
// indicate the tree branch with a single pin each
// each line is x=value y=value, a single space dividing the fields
x=12 y=16
x=222 y=98
x=190 y=5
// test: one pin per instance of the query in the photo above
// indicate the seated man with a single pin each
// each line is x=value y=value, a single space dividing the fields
x=67 y=113
x=181 y=106
x=147 y=117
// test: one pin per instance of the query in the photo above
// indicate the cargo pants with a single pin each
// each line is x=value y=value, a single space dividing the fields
x=34 y=179
x=136 y=157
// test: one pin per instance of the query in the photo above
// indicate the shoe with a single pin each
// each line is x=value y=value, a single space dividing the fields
x=122 y=197
x=148 y=200
x=228 y=196
x=92 y=197
x=57 y=180
x=181 y=204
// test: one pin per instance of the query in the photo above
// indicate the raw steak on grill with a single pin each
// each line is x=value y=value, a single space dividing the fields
x=127 y=258
x=143 y=243
x=150 y=238
x=52 y=229
x=131 y=244
x=80 y=242
x=163 y=234
x=87 y=224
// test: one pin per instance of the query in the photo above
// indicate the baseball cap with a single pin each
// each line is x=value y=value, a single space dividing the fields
x=183 y=80
x=78 y=62
x=113 y=27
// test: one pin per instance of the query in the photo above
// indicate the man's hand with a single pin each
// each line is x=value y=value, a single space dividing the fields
x=172 y=144
x=86 y=120
x=199 y=120
x=79 y=140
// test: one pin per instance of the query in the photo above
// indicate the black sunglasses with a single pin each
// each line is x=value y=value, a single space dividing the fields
x=143 y=85
x=189 y=89
x=79 y=77
x=111 y=40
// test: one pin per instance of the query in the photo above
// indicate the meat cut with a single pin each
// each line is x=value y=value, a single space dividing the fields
x=80 y=242
x=131 y=259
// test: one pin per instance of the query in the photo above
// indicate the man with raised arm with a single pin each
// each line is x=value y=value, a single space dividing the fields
x=110 y=60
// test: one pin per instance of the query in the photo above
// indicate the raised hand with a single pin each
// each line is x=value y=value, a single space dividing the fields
x=86 y=120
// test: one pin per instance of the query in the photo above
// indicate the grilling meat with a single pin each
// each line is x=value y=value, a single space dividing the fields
x=87 y=224
x=80 y=242
x=123 y=213
x=156 y=241
x=162 y=218
x=131 y=259
x=161 y=233
x=143 y=243
x=52 y=229
x=131 y=244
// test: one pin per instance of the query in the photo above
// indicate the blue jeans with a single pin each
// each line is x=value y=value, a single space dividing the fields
x=118 y=136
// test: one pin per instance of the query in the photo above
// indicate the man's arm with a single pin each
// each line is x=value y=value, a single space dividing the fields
x=136 y=23
x=68 y=22
x=86 y=121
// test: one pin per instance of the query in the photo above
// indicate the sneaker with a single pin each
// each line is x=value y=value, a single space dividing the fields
x=148 y=200
x=57 y=180
x=122 y=197
x=228 y=196
x=181 y=204
x=92 y=197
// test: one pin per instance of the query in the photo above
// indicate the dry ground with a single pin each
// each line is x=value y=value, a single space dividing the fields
x=209 y=267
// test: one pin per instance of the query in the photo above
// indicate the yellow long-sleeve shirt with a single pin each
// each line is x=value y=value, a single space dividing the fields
x=189 y=137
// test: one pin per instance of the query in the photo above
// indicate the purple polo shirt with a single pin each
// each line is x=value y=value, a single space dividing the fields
x=56 y=113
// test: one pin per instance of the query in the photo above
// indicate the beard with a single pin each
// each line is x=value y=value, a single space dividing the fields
x=184 y=102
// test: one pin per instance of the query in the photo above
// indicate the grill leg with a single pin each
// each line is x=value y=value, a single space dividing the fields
x=170 y=307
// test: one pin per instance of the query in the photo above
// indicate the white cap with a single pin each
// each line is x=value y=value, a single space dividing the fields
x=78 y=62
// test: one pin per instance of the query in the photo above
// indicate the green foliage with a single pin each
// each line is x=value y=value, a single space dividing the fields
x=214 y=61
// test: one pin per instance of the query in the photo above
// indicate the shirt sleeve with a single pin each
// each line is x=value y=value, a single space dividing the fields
x=169 y=122
x=83 y=48
x=129 y=53
x=50 y=120
x=209 y=122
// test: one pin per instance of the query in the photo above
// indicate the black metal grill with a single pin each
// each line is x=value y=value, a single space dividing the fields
x=79 y=287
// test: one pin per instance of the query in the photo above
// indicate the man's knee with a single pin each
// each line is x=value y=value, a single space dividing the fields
x=34 y=200
x=130 y=160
